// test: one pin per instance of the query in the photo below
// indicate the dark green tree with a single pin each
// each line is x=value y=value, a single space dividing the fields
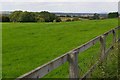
x=15 y=16
x=48 y=17
x=96 y=16
x=4 y=19
x=58 y=19
x=27 y=17
x=113 y=15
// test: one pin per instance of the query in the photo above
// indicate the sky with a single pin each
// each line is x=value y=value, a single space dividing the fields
x=73 y=6
x=59 y=0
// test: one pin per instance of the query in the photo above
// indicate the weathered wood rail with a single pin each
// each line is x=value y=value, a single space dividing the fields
x=72 y=58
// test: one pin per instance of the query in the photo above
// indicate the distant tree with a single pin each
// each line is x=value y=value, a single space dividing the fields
x=4 y=19
x=15 y=16
x=75 y=16
x=62 y=16
x=84 y=17
x=40 y=19
x=27 y=17
x=58 y=19
x=96 y=16
x=68 y=16
x=48 y=17
x=0 y=18
x=113 y=15
x=37 y=17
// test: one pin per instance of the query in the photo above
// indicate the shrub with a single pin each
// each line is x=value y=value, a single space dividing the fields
x=58 y=19
x=41 y=20
x=75 y=19
x=68 y=20
x=4 y=19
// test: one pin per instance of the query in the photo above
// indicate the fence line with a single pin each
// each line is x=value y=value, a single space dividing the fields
x=72 y=58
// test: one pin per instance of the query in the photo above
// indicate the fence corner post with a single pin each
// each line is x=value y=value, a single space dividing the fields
x=73 y=66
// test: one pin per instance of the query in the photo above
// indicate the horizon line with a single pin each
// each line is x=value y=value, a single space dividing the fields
x=54 y=11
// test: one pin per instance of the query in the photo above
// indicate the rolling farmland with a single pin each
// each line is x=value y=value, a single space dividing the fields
x=29 y=45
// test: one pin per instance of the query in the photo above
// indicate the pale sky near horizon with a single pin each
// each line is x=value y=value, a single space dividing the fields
x=59 y=0
x=74 y=6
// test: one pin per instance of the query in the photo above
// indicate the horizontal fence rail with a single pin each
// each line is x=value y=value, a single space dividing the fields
x=72 y=58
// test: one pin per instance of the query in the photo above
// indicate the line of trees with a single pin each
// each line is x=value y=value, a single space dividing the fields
x=20 y=16
x=113 y=15
x=44 y=16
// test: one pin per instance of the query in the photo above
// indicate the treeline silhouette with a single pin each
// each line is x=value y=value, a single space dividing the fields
x=44 y=16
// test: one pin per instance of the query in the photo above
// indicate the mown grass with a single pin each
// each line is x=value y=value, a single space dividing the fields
x=29 y=45
x=86 y=60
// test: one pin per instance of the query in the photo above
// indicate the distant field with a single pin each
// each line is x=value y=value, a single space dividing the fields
x=65 y=18
x=29 y=45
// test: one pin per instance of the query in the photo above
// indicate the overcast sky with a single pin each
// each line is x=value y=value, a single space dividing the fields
x=59 y=0
x=61 y=6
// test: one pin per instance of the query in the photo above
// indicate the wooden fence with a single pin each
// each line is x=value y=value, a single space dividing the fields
x=72 y=58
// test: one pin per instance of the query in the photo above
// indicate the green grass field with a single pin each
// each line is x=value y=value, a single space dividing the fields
x=29 y=45
x=109 y=68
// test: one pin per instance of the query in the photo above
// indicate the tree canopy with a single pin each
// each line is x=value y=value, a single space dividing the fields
x=113 y=15
x=15 y=16
x=27 y=17
x=4 y=19
x=44 y=16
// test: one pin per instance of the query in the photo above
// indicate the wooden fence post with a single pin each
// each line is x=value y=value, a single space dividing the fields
x=73 y=66
x=114 y=37
x=103 y=47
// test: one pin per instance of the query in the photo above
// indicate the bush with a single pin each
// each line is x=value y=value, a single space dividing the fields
x=40 y=20
x=4 y=19
x=68 y=20
x=58 y=19
x=75 y=19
